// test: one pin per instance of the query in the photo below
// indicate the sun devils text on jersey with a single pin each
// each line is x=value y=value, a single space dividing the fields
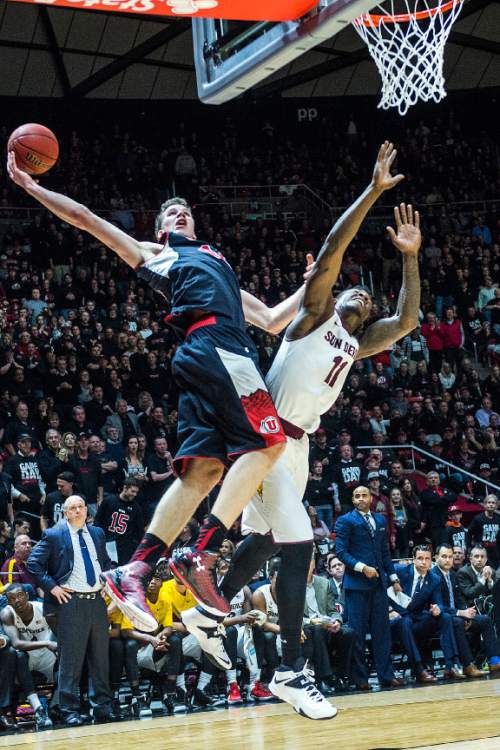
x=307 y=375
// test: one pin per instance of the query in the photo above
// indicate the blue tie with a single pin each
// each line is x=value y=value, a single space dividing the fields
x=370 y=527
x=418 y=587
x=89 y=568
x=450 y=591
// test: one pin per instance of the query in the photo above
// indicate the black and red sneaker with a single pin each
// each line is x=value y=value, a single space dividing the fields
x=126 y=586
x=197 y=571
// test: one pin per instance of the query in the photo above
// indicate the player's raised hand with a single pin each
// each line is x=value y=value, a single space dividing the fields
x=408 y=237
x=23 y=179
x=382 y=178
x=309 y=265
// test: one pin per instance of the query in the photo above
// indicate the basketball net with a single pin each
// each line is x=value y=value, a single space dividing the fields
x=408 y=49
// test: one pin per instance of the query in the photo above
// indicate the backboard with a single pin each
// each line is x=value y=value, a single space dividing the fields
x=232 y=56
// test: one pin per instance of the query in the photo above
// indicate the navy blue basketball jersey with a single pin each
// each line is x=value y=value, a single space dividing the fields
x=194 y=276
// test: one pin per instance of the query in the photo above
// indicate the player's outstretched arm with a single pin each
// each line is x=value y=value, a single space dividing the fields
x=328 y=264
x=385 y=332
x=130 y=250
x=274 y=319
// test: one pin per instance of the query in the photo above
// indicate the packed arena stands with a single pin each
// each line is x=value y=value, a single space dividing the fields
x=88 y=404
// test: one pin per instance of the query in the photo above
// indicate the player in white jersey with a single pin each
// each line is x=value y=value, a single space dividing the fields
x=307 y=375
x=24 y=622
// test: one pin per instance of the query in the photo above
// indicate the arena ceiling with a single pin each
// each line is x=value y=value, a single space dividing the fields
x=59 y=52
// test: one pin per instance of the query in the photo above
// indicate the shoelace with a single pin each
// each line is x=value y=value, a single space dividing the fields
x=216 y=631
x=308 y=684
x=220 y=630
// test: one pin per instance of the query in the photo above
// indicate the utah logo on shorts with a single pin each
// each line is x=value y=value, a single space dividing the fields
x=269 y=425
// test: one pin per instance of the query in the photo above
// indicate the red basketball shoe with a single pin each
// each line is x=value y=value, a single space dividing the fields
x=234 y=694
x=197 y=571
x=126 y=587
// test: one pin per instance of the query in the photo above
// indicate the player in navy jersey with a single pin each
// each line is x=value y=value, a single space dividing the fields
x=225 y=409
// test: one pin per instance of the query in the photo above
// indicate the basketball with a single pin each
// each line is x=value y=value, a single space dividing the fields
x=35 y=146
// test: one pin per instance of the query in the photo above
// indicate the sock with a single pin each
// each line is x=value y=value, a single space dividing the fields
x=150 y=549
x=231 y=675
x=203 y=680
x=212 y=534
x=171 y=685
x=181 y=682
x=255 y=676
x=291 y=596
x=34 y=701
x=248 y=558
x=494 y=660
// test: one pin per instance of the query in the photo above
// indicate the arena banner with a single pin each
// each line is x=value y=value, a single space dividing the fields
x=240 y=10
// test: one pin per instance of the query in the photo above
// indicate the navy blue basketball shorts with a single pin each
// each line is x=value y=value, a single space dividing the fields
x=224 y=406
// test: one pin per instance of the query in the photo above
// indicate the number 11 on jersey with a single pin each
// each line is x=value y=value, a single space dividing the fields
x=338 y=365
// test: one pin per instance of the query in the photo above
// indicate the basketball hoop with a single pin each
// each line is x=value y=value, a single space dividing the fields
x=408 y=49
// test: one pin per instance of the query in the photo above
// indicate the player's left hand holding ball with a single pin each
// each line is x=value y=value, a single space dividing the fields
x=23 y=179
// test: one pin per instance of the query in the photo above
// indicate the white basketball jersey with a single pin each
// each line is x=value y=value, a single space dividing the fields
x=37 y=629
x=237 y=603
x=307 y=375
x=271 y=606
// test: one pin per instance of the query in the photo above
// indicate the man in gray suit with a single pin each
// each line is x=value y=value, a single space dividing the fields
x=476 y=579
x=125 y=421
x=327 y=636
x=335 y=570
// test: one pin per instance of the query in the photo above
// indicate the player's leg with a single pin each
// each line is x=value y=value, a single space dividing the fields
x=240 y=485
x=125 y=585
x=182 y=498
x=292 y=681
x=281 y=505
x=278 y=507
x=242 y=411
x=270 y=505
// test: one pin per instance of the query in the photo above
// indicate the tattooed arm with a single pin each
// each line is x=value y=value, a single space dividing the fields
x=385 y=332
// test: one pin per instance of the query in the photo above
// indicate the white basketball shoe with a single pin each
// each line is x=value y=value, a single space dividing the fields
x=296 y=687
x=208 y=631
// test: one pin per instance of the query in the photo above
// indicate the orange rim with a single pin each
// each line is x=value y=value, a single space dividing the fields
x=372 y=19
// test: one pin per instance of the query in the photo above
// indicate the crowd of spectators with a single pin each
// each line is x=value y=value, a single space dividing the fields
x=87 y=401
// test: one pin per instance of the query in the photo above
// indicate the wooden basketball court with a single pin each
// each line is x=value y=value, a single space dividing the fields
x=445 y=717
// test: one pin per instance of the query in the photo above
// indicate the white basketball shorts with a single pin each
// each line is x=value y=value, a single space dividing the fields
x=278 y=507
x=42 y=660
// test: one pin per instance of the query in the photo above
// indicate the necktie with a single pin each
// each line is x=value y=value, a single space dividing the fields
x=450 y=592
x=89 y=568
x=419 y=585
x=370 y=527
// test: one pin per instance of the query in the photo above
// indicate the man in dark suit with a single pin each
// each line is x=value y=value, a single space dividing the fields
x=424 y=615
x=362 y=545
x=67 y=563
x=466 y=620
